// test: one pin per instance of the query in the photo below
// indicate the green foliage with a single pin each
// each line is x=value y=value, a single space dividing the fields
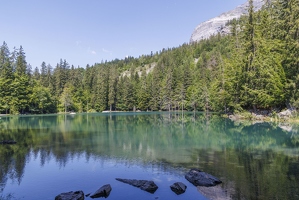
x=41 y=100
x=21 y=64
x=262 y=78
x=6 y=94
x=232 y=151
x=65 y=99
x=256 y=66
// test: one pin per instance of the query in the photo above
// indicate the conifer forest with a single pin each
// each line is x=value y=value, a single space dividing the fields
x=256 y=66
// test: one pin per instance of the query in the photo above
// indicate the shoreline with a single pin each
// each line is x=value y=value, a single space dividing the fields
x=287 y=116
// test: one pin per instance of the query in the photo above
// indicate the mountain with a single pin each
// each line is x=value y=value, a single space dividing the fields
x=217 y=24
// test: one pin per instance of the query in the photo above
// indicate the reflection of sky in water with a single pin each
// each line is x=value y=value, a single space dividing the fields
x=86 y=151
x=79 y=174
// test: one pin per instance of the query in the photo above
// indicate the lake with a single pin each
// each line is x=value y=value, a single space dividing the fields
x=62 y=153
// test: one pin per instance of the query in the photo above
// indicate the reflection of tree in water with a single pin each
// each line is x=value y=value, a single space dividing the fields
x=257 y=157
x=12 y=165
x=251 y=158
x=13 y=158
x=265 y=154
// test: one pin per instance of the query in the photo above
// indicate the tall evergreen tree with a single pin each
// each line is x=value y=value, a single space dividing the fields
x=262 y=74
x=6 y=78
x=143 y=94
x=112 y=83
x=101 y=89
x=21 y=64
x=66 y=98
x=6 y=69
x=43 y=74
x=36 y=74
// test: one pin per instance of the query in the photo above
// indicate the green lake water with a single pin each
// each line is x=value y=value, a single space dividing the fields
x=62 y=153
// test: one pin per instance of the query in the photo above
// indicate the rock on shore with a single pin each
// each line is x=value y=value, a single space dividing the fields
x=200 y=178
x=178 y=188
x=104 y=191
x=78 y=195
x=145 y=185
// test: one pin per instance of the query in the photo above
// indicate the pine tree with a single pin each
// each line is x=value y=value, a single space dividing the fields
x=49 y=79
x=155 y=88
x=6 y=69
x=167 y=90
x=36 y=74
x=128 y=94
x=57 y=77
x=66 y=98
x=262 y=78
x=43 y=75
x=6 y=88
x=143 y=94
x=112 y=83
x=6 y=78
x=20 y=94
x=119 y=104
x=21 y=64
x=41 y=100
x=101 y=89
x=286 y=27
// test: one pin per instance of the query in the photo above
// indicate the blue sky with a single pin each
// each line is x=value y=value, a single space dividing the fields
x=89 y=31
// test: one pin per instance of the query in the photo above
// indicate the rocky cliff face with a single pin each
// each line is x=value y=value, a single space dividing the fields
x=217 y=24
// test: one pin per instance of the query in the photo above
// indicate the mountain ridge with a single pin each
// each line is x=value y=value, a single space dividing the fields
x=218 y=24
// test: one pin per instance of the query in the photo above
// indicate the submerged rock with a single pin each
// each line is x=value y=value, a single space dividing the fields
x=178 y=188
x=8 y=142
x=145 y=185
x=104 y=191
x=87 y=195
x=78 y=195
x=215 y=193
x=199 y=178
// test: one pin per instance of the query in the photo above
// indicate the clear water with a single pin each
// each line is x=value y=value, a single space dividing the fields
x=62 y=153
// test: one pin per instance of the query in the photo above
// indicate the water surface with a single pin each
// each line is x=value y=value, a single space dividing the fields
x=61 y=153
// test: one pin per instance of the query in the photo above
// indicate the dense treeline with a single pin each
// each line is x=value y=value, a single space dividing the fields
x=256 y=66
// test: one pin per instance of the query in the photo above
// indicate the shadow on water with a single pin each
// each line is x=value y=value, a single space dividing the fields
x=254 y=161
